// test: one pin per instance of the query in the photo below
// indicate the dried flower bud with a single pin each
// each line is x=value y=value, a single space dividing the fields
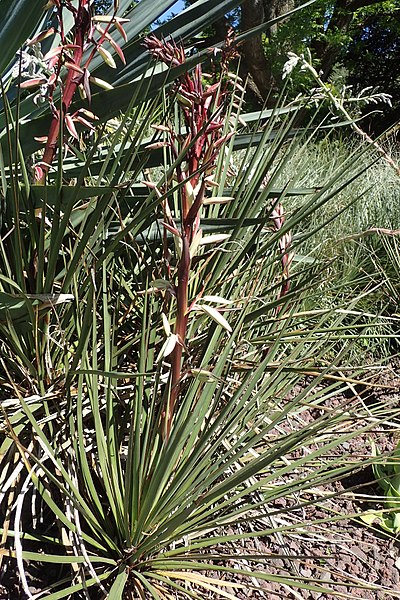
x=101 y=83
x=156 y=145
x=41 y=36
x=32 y=82
x=107 y=57
x=71 y=127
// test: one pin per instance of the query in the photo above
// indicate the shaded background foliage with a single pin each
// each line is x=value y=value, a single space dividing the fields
x=352 y=42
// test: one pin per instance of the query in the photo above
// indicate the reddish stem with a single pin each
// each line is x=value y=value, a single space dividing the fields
x=82 y=25
x=182 y=289
x=200 y=146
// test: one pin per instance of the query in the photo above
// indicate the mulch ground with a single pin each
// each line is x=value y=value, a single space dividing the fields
x=349 y=558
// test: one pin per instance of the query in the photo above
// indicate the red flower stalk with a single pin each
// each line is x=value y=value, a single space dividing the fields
x=199 y=143
x=69 y=56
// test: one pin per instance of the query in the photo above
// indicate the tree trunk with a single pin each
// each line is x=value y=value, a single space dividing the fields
x=274 y=9
x=255 y=63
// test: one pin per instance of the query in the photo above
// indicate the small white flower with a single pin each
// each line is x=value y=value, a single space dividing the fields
x=290 y=64
x=23 y=64
x=40 y=97
x=29 y=63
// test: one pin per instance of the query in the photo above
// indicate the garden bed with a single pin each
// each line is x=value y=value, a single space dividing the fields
x=346 y=556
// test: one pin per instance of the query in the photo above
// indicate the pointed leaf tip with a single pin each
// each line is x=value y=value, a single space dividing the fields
x=215 y=315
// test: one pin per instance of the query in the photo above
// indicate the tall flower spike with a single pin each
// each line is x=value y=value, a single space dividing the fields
x=198 y=143
x=69 y=57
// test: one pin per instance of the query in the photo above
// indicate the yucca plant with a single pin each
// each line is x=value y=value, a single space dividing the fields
x=154 y=332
